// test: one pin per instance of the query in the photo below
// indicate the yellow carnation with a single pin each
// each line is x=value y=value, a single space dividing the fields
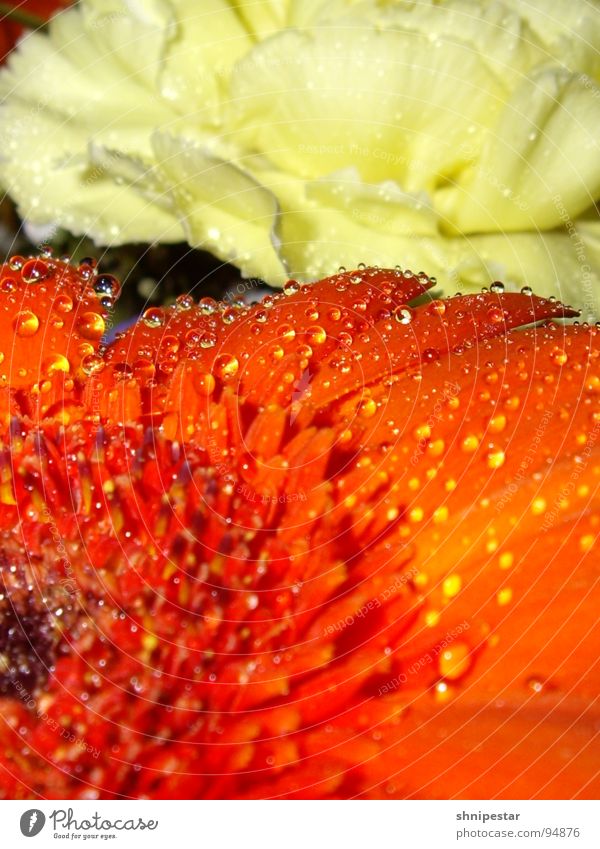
x=294 y=136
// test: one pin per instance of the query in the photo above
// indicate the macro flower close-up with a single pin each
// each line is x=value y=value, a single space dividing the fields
x=290 y=138
x=300 y=422
x=340 y=543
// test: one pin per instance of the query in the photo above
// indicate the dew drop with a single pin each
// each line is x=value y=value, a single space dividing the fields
x=8 y=284
x=403 y=315
x=496 y=459
x=63 y=303
x=92 y=364
x=292 y=287
x=497 y=423
x=16 y=263
x=452 y=586
x=226 y=366
x=367 y=408
x=559 y=356
x=495 y=315
x=286 y=331
x=208 y=340
x=57 y=362
x=91 y=325
x=204 y=384
x=497 y=287
x=184 y=302
x=34 y=270
x=153 y=317
x=26 y=323
x=207 y=306
x=316 y=335
x=107 y=286
x=229 y=315
x=455 y=661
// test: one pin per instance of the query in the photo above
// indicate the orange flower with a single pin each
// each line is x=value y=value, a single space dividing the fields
x=329 y=545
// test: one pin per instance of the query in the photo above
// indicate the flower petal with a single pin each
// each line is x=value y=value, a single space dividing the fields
x=544 y=146
x=327 y=591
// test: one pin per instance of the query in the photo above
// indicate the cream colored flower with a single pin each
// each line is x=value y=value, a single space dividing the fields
x=294 y=136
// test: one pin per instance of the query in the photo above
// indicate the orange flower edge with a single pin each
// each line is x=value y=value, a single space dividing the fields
x=329 y=545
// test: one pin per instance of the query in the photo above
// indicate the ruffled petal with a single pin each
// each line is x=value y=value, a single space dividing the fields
x=540 y=161
x=362 y=113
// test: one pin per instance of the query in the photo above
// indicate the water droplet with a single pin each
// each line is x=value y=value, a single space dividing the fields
x=91 y=325
x=559 y=356
x=34 y=270
x=527 y=290
x=204 y=384
x=403 y=315
x=504 y=596
x=63 y=303
x=57 y=362
x=495 y=315
x=437 y=307
x=207 y=306
x=535 y=683
x=497 y=287
x=226 y=366
x=286 y=331
x=497 y=423
x=292 y=287
x=16 y=263
x=452 y=586
x=184 y=302
x=26 y=323
x=208 y=340
x=316 y=335
x=8 y=284
x=107 y=286
x=92 y=364
x=367 y=408
x=144 y=369
x=229 y=315
x=153 y=317
x=455 y=661
x=495 y=459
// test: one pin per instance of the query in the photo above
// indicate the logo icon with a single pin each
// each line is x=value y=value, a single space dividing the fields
x=32 y=822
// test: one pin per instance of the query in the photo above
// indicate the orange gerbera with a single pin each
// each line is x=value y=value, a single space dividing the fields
x=329 y=545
